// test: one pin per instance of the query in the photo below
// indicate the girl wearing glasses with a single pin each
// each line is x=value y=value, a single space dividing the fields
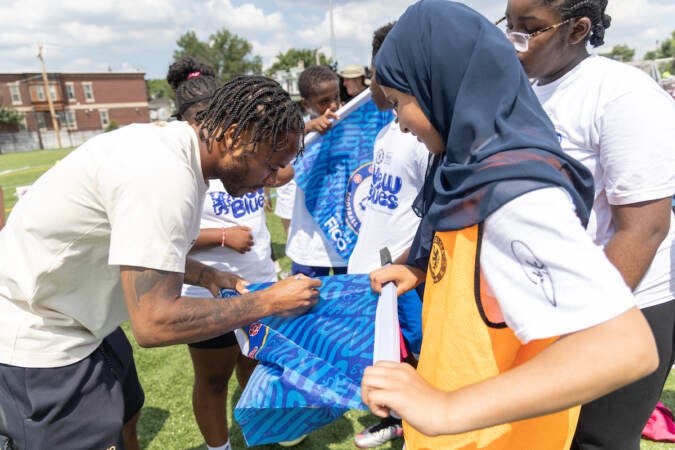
x=523 y=317
x=620 y=124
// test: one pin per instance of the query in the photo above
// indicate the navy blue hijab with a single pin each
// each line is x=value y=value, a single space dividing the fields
x=499 y=142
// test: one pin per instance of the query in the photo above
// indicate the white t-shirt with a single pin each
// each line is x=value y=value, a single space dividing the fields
x=223 y=210
x=544 y=270
x=128 y=197
x=285 y=200
x=621 y=125
x=399 y=166
x=306 y=242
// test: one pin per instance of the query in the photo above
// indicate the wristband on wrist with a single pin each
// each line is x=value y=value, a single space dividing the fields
x=222 y=236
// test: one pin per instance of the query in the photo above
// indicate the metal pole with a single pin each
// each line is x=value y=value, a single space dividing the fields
x=55 y=122
x=332 y=31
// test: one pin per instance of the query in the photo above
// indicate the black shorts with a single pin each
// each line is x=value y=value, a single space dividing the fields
x=80 y=406
x=223 y=341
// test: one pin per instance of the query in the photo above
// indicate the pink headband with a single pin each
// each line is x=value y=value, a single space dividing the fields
x=193 y=74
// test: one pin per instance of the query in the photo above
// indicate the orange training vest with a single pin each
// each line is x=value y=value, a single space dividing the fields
x=465 y=340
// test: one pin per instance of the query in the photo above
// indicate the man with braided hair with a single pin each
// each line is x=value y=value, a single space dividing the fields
x=103 y=237
x=619 y=123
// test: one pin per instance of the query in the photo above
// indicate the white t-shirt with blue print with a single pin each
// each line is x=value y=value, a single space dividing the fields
x=399 y=167
x=222 y=210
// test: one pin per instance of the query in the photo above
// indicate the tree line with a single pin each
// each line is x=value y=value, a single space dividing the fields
x=231 y=55
x=626 y=54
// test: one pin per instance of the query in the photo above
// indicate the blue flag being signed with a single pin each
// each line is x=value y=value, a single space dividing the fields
x=311 y=365
x=332 y=172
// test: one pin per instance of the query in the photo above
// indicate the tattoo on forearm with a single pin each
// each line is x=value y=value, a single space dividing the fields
x=234 y=313
x=154 y=300
x=196 y=272
x=144 y=281
x=200 y=276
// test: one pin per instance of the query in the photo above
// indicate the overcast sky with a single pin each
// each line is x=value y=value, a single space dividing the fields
x=131 y=35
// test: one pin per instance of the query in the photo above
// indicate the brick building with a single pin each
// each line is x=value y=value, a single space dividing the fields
x=82 y=101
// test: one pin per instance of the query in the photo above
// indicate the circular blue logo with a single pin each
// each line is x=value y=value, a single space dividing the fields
x=379 y=156
x=357 y=195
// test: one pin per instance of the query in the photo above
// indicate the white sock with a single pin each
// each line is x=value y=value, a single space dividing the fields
x=225 y=446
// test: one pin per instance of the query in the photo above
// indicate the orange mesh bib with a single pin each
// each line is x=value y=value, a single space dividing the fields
x=466 y=341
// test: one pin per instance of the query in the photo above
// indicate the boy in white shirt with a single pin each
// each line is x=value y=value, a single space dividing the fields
x=312 y=254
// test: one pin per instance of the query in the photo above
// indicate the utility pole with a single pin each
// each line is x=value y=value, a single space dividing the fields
x=332 y=32
x=55 y=122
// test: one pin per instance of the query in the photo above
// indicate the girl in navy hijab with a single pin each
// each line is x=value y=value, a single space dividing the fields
x=522 y=313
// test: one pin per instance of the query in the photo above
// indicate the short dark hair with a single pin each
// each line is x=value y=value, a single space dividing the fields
x=311 y=77
x=593 y=9
x=193 y=84
x=379 y=35
x=254 y=104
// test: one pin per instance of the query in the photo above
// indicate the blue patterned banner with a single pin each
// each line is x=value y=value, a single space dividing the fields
x=332 y=170
x=310 y=366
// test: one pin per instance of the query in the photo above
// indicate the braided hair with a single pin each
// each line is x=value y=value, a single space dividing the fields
x=253 y=104
x=593 y=9
x=193 y=84
x=312 y=77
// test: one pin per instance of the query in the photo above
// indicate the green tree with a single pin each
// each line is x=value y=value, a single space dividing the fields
x=621 y=53
x=665 y=50
x=111 y=126
x=293 y=56
x=9 y=116
x=229 y=54
x=159 y=88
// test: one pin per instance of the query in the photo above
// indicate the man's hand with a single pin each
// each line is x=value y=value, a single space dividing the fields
x=321 y=124
x=239 y=238
x=404 y=277
x=292 y=296
x=227 y=280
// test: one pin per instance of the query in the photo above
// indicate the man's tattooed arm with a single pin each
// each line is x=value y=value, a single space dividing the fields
x=160 y=316
x=197 y=273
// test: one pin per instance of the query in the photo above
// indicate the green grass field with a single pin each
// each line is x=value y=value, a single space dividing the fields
x=167 y=422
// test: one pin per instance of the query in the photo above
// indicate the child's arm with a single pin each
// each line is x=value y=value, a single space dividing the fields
x=284 y=175
x=236 y=237
x=321 y=124
x=575 y=369
x=404 y=277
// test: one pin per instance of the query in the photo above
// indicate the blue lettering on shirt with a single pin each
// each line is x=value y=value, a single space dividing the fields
x=384 y=189
x=224 y=204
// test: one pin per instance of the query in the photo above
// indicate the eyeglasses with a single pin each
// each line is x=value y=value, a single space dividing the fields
x=521 y=40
